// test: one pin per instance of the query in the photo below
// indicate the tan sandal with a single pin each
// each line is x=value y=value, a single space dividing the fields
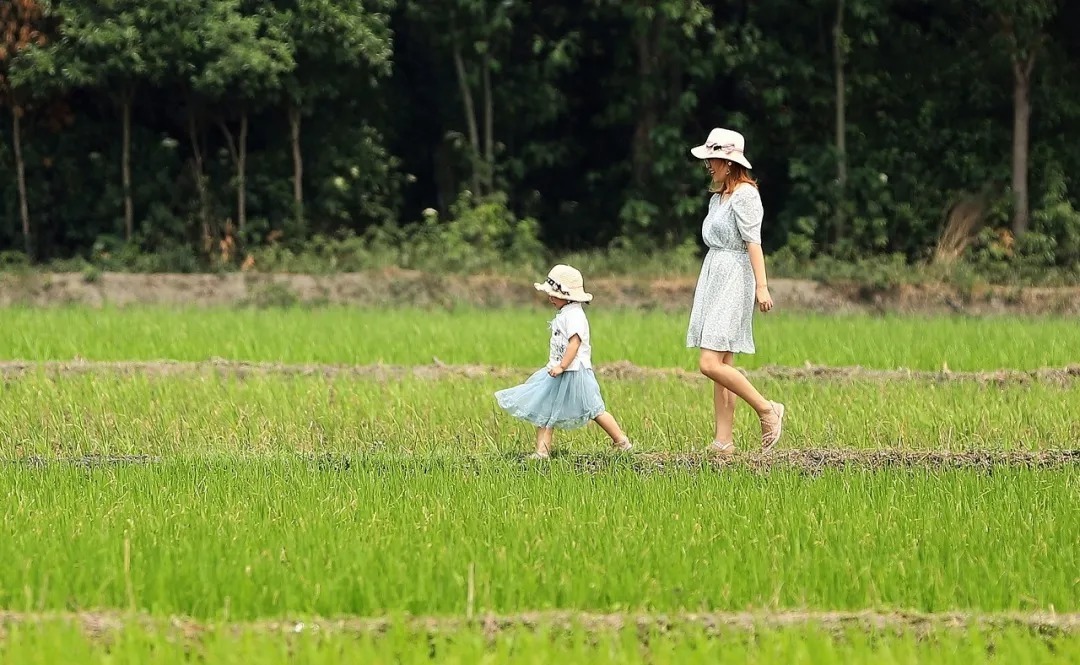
x=721 y=449
x=623 y=446
x=771 y=435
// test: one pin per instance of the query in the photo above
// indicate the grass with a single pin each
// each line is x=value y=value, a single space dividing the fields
x=57 y=641
x=203 y=414
x=248 y=538
x=518 y=337
x=270 y=495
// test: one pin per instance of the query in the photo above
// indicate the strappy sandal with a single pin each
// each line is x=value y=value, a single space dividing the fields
x=721 y=449
x=623 y=446
x=771 y=435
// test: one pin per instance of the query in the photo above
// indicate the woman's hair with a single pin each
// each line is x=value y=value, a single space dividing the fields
x=738 y=175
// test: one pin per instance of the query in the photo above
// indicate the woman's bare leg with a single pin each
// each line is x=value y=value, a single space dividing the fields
x=713 y=366
x=724 y=403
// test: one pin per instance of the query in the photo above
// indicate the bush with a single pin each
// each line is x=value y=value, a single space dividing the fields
x=483 y=235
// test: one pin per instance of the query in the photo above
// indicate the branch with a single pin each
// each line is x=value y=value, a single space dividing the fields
x=229 y=141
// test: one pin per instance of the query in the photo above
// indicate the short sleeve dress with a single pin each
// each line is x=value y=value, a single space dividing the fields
x=723 y=313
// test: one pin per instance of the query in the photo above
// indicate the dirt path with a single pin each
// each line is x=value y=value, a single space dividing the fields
x=809 y=461
x=1065 y=376
x=402 y=287
x=100 y=624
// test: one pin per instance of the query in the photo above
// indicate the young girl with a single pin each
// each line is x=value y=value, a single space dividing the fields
x=565 y=393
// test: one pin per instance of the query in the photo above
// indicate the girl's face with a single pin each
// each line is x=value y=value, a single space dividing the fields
x=718 y=169
x=558 y=303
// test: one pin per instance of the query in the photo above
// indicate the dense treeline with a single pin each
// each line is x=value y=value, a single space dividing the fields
x=203 y=129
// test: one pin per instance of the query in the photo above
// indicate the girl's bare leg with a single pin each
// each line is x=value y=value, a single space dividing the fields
x=611 y=427
x=543 y=441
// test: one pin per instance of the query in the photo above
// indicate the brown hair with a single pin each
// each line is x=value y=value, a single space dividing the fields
x=738 y=175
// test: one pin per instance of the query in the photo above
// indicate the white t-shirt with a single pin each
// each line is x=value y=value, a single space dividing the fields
x=570 y=321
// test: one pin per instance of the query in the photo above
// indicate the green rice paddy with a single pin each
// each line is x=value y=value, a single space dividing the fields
x=518 y=337
x=190 y=507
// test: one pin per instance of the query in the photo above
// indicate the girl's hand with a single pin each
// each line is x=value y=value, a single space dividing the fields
x=556 y=370
x=764 y=299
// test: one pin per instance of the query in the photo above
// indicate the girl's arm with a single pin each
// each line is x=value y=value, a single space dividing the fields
x=757 y=262
x=568 y=356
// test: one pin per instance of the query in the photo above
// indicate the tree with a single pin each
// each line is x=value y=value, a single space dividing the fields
x=669 y=63
x=474 y=34
x=248 y=56
x=1027 y=39
x=1022 y=26
x=839 y=56
x=114 y=46
x=21 y=28
x=328 y=39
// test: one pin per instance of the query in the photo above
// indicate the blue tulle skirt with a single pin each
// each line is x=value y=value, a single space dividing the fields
x=567 y=401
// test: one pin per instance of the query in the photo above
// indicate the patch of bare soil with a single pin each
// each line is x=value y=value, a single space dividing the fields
x=814 y=461
x=1064 y=376
x=404 y=287
x=100 y=625
x=804 y=460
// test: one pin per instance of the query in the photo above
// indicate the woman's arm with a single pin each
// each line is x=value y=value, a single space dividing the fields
x=757 y=262
x=568 y=356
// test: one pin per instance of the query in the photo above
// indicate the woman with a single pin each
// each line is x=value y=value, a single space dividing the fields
x=732 y=281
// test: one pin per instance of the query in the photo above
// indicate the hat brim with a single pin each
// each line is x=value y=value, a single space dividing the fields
x=702 y=152
x=578 y=296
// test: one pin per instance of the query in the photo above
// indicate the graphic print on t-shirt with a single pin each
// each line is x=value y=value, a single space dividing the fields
x=570 y=321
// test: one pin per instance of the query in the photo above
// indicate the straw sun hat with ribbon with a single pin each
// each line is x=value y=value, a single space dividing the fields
x=723 y=144
x=565 y=282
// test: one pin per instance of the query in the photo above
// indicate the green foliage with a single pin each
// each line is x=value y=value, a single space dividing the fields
x=1058 y=220
x=577 y=117
x=483 y=235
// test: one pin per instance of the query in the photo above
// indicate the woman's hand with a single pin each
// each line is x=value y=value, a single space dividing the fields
x=556 y=370
x=764 y=299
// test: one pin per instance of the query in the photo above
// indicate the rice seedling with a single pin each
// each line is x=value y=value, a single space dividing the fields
x=202 y=413
x=53 y=641
x=518 y=337
x=243 y=538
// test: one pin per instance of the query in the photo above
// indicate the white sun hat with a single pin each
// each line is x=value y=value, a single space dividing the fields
x=723 y=144
x=565 y=282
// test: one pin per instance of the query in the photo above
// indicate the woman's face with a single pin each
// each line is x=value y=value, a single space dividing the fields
x=718 y=169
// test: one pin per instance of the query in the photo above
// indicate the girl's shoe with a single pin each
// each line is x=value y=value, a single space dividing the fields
x=771 y=431
x=540 y=456
x=623 y=446
x=721 y=449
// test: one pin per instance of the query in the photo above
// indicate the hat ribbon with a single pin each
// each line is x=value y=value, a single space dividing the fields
x=558 y=287
x=726 y=148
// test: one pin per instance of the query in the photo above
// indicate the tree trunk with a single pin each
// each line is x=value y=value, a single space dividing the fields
x=237 y=146
x=298 y=166
x=1022 y=70
x=648 y=115
x=241 y=175
x=20 y=175
x=470 y=115
x=200 y=180
x=489 y=126
x=841 y=122
x=129 y=204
